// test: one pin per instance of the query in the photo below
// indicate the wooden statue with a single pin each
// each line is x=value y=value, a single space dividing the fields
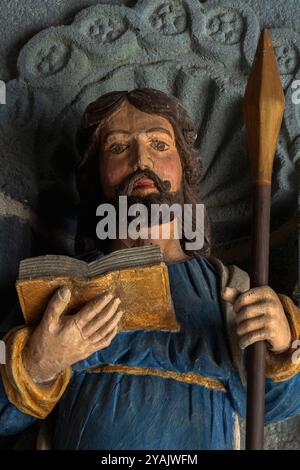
x=149 y=389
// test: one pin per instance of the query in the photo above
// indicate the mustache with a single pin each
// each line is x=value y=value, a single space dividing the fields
x=126 y=187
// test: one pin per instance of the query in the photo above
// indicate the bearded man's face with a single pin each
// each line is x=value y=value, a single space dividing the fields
x=139 y=158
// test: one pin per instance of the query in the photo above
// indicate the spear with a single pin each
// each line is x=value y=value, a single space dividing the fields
x=263 y=112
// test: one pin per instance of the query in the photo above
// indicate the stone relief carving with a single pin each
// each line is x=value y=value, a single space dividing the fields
x=225 y=27
x=199 y=52
x=169 y=18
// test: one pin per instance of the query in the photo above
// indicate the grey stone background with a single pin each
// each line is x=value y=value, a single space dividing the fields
x=57 y=56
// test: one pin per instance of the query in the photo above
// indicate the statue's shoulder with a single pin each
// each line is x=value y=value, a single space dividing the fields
x=230 y=275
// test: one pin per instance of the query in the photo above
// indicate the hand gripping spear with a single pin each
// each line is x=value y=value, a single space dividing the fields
x=263 y=112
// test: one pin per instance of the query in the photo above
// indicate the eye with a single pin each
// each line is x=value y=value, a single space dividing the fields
x=159 y=145
x=117 y=149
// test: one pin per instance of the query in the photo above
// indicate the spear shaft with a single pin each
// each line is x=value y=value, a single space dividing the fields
x=263 y=112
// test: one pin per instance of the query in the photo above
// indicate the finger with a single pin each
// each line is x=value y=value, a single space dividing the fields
x=58 y=302
x=107 y=317
x=105 y=330
x=106 y=341
x=253 y=337
x=249 y=326
x=230 y=294
x=252 y=311
x=92 y=308
x=253 y=296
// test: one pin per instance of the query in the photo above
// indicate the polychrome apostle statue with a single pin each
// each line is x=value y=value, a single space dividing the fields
x=148 y=389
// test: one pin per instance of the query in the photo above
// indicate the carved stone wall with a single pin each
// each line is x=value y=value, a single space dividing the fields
x=56 y=60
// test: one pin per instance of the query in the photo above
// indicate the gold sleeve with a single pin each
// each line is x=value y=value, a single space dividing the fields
x=280 y=367
x=37 y=400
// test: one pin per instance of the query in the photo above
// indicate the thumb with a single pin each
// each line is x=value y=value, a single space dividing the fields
x=230 y=294
x=58 y=303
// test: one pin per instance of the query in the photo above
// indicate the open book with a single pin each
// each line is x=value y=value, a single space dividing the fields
x=139 y=276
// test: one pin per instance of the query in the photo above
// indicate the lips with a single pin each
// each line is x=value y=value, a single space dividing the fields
x=143 y=183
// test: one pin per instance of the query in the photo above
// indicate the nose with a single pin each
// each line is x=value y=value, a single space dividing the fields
x=141 y=156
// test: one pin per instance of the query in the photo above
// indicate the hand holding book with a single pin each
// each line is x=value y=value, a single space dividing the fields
x=61 y=340
x=67 y=299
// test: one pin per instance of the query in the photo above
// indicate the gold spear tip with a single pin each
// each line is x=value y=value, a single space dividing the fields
x=265 y=39
x=263 y=108
x=264 y=79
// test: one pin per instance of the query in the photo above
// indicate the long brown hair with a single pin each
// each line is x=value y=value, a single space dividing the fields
x=88 y=143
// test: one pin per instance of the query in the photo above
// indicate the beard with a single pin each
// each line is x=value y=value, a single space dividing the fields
x=163 y=196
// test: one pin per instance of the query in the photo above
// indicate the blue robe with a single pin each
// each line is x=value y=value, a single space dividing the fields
x=118 y=411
